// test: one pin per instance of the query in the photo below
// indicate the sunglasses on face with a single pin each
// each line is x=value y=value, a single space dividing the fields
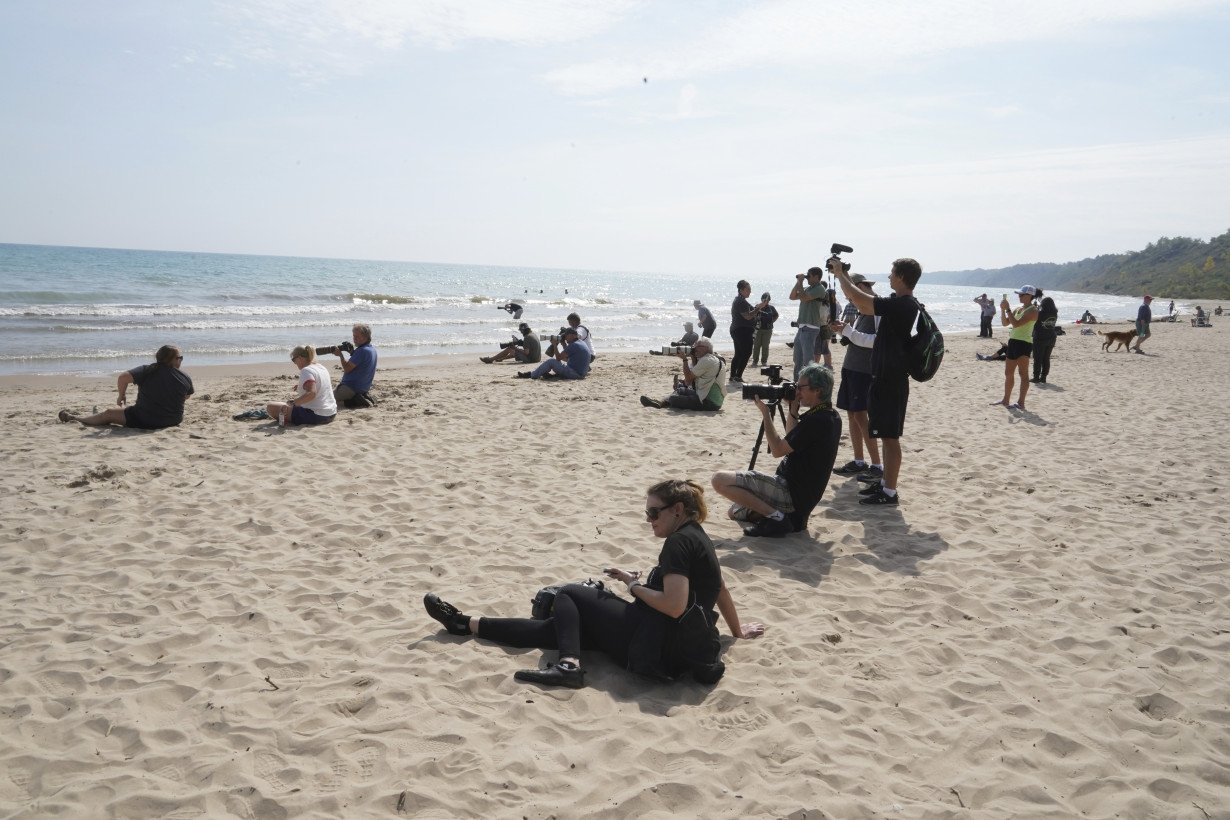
x=652 y=513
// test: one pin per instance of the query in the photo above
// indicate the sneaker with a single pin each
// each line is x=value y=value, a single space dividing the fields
x=770 y=528
x=871 y=475
x=521 y=374
x=879 y=497
x=554 y=675
x=851 y=468
x=648 y=402
x=447 y=614
x=871 y=489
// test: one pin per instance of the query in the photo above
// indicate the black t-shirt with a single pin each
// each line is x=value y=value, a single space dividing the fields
x=739 y=307
x=807 y=468
x=766 y=318
x=898 y=315
x=688 y=551
x=161 y=392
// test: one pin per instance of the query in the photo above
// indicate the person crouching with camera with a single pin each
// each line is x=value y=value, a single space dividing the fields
x=526 y=350
x=571 y=362
x=358 y=371
x=779 y=504
x=701 y=387
x=313 y=402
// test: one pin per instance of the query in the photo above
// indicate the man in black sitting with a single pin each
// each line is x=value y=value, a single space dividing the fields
x=779 y=504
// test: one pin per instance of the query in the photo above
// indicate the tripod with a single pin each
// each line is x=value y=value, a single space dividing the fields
x=773 y=405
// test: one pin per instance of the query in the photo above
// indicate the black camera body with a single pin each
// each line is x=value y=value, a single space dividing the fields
x=771 y=393
x=346 y=346
x=515 y=342
x=836 y=251
x=774 y=372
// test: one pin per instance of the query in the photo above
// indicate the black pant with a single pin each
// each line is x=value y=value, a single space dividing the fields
x=583 y=617
x=743 y=338
x=707 y=329
x=985 y=331
x=687 y=399
x=1042 y=358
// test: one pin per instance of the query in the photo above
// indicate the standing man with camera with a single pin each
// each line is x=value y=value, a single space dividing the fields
x=701 y=388
x=570 y=363
x=781 y=503
x=858 y=335
x=890 y=384
x=532 y=354
x=358 y=372
x=705 y=316
x=812 y=296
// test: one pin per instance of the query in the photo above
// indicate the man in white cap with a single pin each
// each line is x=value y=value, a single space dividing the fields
x=689 y=336
x=1144 y=317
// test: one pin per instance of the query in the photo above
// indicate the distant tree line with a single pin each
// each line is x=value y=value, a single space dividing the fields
x=1178 y=267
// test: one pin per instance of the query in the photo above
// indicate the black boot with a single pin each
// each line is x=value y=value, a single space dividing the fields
x=447 y=614
x=557 y=674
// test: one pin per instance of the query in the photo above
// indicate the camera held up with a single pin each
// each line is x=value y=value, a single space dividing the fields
x=837 y=250
x=325 y=351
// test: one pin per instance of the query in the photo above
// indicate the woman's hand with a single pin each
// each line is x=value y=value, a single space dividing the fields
x=751 y=631
x=622 y=575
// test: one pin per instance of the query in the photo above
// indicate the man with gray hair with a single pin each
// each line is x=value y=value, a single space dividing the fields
x=780 y=504
x=358 y=372
x=700 y=388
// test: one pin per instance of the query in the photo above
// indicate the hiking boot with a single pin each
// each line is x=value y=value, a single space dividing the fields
x=871 y=475
x=770 y=528
x=648 y=402
x=851 y=468
x=879 y=497
x=554 y=675
x=871 y=489
x=447 y=614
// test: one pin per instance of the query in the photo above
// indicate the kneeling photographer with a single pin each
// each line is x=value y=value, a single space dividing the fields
x=526 y=350
x=358 y=372
x=781 y=503
x=700 y=388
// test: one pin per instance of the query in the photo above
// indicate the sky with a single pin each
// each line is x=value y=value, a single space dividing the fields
x=741 y=137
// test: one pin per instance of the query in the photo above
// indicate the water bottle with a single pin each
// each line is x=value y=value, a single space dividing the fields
x=282 y=417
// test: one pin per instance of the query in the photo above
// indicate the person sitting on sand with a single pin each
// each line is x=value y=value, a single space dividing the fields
x=162 y=389
x=689 y=337
x=571 y=362
x=780 y=503
x=650 y=634
x=1088 y=318
x=998 y=356
x=701 y=387
x=313 y=402
x=532 y=353
x=357 y=373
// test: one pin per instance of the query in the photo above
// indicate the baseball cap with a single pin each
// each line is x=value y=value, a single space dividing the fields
x=858 y=279
x=1027 y=290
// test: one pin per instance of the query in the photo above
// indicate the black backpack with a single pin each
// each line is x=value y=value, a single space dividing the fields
x=925 y=351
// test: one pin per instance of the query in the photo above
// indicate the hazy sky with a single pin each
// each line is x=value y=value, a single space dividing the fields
x=739 y=136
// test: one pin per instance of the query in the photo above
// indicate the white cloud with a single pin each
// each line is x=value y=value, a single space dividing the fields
x=320 y=36
x=868 y=33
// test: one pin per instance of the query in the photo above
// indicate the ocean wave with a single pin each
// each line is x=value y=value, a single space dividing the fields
x=382 y=299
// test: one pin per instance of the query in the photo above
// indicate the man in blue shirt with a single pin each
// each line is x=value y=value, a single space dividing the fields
x=1144 y=317
x=570 y=363
x=358 y=371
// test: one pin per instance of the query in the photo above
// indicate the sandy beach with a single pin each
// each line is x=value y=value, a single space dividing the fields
x=224 y=619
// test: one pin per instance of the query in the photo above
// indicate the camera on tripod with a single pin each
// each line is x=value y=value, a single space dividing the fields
x=346 y=346
x=837 y=250
x=776 y=390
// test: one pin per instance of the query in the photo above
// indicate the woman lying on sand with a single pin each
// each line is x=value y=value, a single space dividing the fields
x=162 y=390
x=660 y=633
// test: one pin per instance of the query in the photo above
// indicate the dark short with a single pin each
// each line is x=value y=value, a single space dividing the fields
x=302 y=415
x=135 y=418
x=852 y=393
x=886 y=401
x=1018 y=349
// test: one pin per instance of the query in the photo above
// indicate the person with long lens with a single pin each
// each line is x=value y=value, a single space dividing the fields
x=701 y=386
x=313 y=402
x=526 y=350
x=669 y=627
x=779 y=503
x=162 y=389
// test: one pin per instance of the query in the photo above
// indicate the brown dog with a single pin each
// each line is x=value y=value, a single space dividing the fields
x=1123 y=337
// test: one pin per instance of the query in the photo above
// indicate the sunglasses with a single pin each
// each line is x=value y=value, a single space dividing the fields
x=652 y=513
